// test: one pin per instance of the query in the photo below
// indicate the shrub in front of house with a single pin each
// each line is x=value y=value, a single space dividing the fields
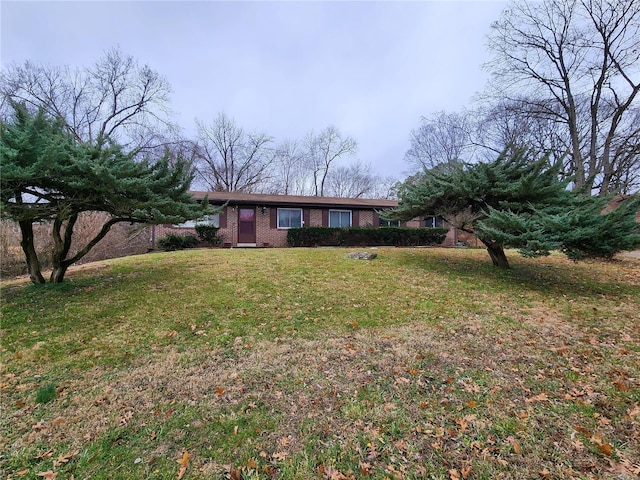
x=172 y=241
x=363 y=237
x=208 y=234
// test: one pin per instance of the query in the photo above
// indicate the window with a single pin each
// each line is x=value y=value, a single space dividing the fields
x=340 y=218
x=433 y=221
x=213 y=220
x=389 y=223
x=289 y=218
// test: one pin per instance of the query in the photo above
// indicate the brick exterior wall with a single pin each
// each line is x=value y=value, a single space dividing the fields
x=267 y=236
x=315 y=218
x=366 y=218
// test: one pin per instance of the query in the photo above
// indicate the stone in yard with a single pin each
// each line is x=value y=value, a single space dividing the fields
x=363 y=255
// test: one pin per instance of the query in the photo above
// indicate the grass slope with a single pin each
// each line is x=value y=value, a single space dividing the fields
x=304 y=364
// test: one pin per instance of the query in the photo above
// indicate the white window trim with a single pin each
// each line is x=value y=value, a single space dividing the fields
x=287 y=228
x=342 y=211
x=434 y=219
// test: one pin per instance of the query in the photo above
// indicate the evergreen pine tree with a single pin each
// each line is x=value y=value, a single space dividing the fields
x=47 y=176
x=520 y=203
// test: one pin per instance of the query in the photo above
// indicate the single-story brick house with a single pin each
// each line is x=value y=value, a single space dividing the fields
x=259 y=220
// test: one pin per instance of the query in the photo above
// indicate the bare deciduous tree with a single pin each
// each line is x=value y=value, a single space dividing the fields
x=576 y=63
x=505 y=125
x=442 y=139
x=355 y=180
x=350 y=181
x=115 y=99
x=230 y=159
x=322 y=150
x=290 y=173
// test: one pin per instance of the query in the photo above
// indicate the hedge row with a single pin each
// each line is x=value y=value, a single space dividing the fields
x=365 y=237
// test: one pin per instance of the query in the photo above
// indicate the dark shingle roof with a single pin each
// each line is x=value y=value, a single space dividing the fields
x=293 y=200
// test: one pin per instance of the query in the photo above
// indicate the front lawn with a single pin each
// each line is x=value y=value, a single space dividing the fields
x=305 y=364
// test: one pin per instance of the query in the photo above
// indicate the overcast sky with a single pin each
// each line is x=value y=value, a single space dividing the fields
x=372 y=69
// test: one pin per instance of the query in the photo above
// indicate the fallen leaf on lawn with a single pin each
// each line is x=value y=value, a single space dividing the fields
x=252 y=463
x=583 y=431
x=515 y=445
x=545 y=473
x=462 y=423
x=48 y=454
x=598 y=438
x=578 y=445
x=622 y=385
x=172 y=333
x=219 y=391
x=64 y=458
x=606 y=449
x=635 y=411
x=39 y=426
x=57 y=420
x=454 y=474
x=401 y=445
x=466 y=471
x=331 y=474
x=125 y=418
x=48 y=475
x=183 y=462
x=543 y=397
x=284 y=442
x=280 y=455
x=624 y=467
x=22 y=473
x=365 y=467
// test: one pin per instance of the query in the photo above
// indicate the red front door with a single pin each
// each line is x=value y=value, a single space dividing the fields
x=246 y=225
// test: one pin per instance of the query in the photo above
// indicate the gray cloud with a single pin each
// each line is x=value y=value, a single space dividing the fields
x=372 y=69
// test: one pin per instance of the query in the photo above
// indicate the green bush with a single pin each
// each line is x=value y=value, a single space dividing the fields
x=172 y=241
x=363 y=237
x=208 y=234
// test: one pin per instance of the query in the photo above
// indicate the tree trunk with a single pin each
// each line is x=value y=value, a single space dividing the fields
x=61 y=246
x=60 y=261
x=33 y=264
x=496 y=252
x=57 y=274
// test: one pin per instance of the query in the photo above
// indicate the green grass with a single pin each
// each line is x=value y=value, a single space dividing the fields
x=302 y=363
x=46 y=393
